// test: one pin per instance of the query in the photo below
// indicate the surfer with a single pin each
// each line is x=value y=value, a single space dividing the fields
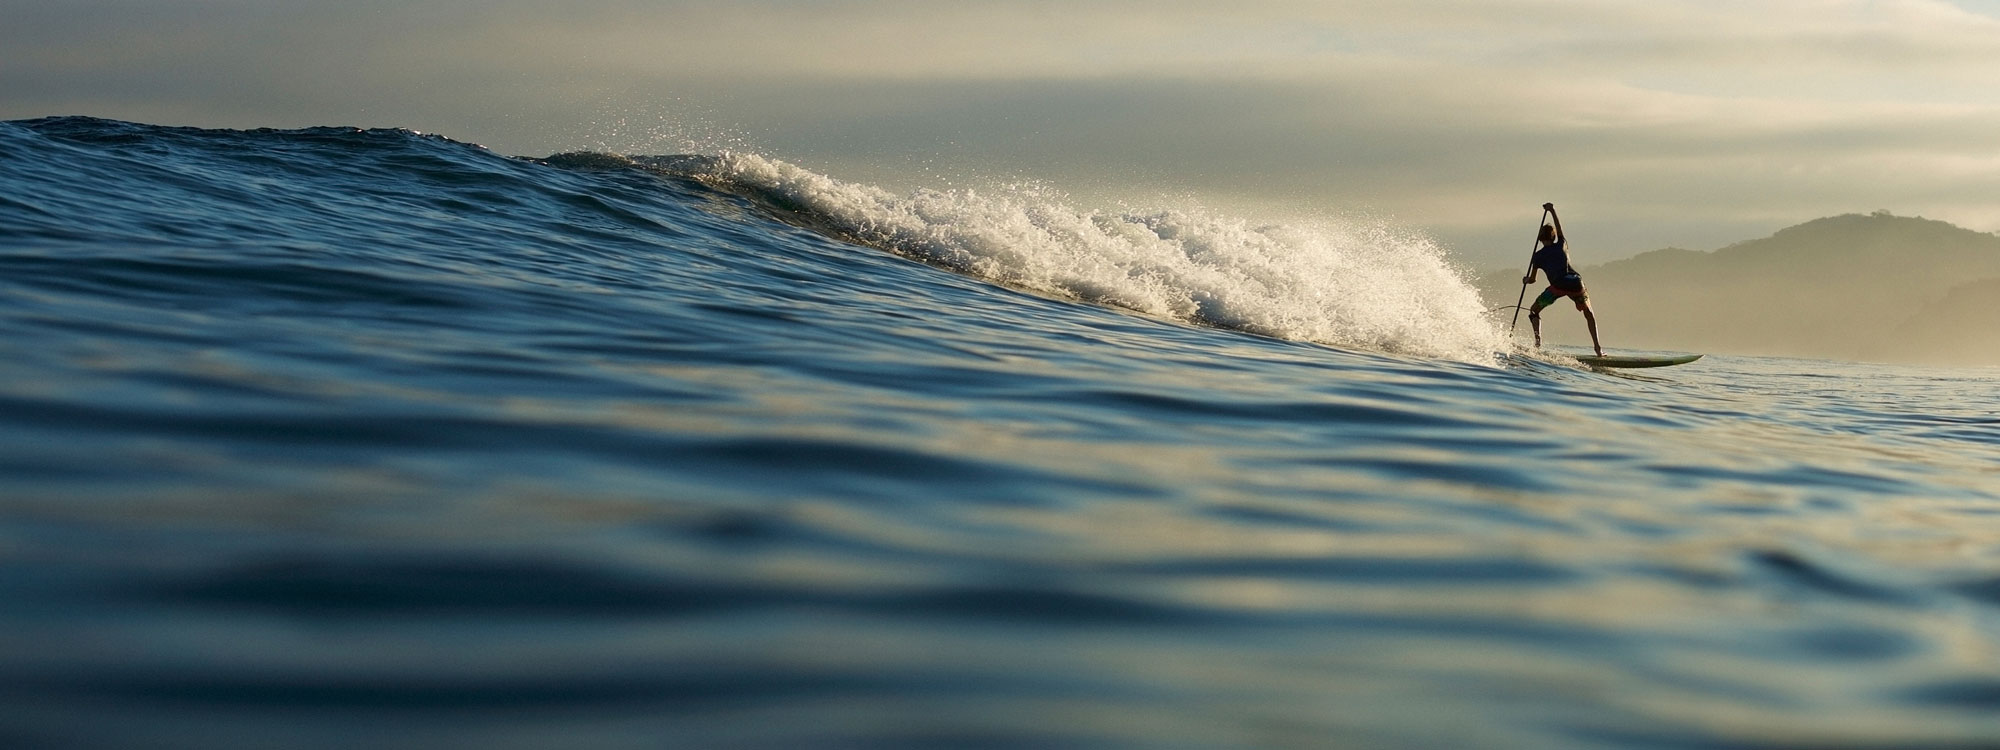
x=1553 y=258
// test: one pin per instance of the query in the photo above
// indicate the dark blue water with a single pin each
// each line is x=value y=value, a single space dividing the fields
x=332 y=438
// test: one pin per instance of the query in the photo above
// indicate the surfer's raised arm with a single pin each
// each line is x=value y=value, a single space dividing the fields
x=1548 y=236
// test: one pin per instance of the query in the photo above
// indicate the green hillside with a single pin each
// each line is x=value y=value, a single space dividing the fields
x=1871 y=287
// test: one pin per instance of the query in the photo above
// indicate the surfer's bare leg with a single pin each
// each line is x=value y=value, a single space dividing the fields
x=1591 y=318
x=1535 y=320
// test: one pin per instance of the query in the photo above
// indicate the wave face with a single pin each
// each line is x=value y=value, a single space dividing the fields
x=331 y=437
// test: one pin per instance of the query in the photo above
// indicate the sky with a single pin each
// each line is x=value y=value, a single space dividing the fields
x=1650 y=123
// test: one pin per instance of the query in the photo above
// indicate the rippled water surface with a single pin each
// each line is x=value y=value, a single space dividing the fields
x=335 y=438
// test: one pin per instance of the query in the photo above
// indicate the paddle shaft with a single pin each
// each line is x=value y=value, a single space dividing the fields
x=1531 y=269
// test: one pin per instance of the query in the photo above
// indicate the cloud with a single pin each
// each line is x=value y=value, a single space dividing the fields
x=1273 y=38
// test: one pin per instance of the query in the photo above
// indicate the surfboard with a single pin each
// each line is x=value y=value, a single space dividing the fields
x=1625 y=361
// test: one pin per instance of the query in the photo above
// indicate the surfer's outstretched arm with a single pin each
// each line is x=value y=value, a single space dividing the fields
x=1558 y=221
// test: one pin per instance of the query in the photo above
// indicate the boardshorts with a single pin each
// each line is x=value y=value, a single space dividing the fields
x=1549 y=296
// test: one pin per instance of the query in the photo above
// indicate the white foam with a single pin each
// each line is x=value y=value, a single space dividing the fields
x=1364 y=286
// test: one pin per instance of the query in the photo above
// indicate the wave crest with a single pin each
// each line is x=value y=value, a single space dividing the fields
x=1362 y=286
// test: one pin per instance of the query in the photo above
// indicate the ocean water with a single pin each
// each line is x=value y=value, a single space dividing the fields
x=333 y=438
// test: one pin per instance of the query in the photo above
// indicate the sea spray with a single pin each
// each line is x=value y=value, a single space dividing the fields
x=1361 y=286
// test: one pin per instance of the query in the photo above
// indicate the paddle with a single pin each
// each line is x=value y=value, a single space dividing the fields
x=1531 y=269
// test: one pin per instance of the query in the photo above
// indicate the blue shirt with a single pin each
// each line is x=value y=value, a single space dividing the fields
x=1553 y=259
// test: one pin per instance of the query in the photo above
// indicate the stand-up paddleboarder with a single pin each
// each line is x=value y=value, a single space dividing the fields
x=1552 y=258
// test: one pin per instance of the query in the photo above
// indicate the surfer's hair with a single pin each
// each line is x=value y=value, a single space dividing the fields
x=1548 y=232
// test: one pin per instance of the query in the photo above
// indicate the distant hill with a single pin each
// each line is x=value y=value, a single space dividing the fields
x=1875 y=287
x=1962 y=328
